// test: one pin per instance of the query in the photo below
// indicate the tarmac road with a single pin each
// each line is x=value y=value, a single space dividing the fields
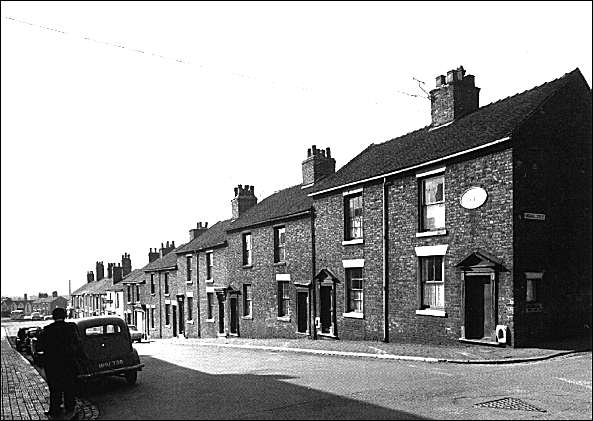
x=184 y=380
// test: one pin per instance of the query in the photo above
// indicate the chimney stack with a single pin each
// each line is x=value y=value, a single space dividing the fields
x=117 y=273
x=319 y=164
x=100 y=271
x=243 y=200
x=25 y=297
x=153 y=255
x=166 y=249
x=110 y=270
x=454 y=97
x=90 y=276
x=126 y=264
x=54 y=294
x=199 y=230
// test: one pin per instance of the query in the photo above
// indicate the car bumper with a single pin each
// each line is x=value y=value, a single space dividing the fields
x=115 y=371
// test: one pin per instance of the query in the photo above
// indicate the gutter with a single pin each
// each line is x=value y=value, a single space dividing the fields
x=271 y=220
x=413 y=167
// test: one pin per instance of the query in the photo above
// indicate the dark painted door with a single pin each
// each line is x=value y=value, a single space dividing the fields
x=181 y=316
x=174 y=322
x=234 y=319
x=478 y=307
x=220 y=316
x=325 y=308
x=302 y=311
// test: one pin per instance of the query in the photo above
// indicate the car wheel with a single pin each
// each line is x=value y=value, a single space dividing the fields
x=131 y=377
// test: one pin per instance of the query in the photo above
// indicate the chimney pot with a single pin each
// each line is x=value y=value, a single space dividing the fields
x=440 y=80
x=308 y=152
x=314 y=150
x=328 y=153
x=206 y=225
x=172 y=244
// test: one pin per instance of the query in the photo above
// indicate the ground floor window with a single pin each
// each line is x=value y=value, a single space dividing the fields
x=247 y=300
x=432 y=286
x=190 y=304
x=167 y=311
x=283 y=298
x=354 y=290
x=152 y=317
x=533 y=286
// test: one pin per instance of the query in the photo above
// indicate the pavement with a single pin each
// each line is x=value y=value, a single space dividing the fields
x=25 y=394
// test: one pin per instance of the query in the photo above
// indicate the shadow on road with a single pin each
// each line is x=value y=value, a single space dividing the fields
x=169 y=391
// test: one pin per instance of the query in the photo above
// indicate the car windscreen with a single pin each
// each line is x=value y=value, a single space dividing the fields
x=108 y=329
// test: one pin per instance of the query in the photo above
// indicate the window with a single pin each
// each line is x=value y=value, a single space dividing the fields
x=210 y=296
x=167 y=309
x=152 y=318
x=129 y=288
x=283 y=299
x=209 y=265
x=432 y=283
x=116 y=300
x=533 y=284
x=279 y=244
x=246 y=240
x=353 y=216
x=432 y=203
x=247 y=300
x=188 y=262
x=354 y=290
x=137 y=292
x=190 y=304
x=166 y=282
x=152 y=283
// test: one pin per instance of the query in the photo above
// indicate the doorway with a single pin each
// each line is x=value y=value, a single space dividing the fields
x=220 y=316
x=174 y=322
x=181 y=315
x=302 y=311
x=326 y=308
x=234 y=328
x=479 y=321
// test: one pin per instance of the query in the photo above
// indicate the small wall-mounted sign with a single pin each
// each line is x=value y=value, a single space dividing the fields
x=534 y=216
x=473 y=198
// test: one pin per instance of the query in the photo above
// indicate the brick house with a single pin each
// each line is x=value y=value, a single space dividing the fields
x=158 y=294
x=270 y=257
x=475 y=228
x=206 y=255
x=46 y=305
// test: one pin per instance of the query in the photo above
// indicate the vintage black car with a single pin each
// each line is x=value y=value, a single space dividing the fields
x=32 y=334
x=108 y=349
x=21 y=338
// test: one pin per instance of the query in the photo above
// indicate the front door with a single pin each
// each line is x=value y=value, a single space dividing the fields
x=302 y=311
x=140 y=321
x=326 y=308
x=220 y=316
x=174 y=322
x=181 y=315
x=234 y=328
x=478 y=307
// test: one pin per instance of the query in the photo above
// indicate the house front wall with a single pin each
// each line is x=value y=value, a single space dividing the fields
x=264 y=275
x=187 y=287
x=488 y=228
x=209 y=326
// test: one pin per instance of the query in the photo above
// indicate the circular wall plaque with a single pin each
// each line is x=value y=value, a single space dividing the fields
x=473 y=198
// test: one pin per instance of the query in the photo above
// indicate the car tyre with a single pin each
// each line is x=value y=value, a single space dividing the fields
x=131 y=377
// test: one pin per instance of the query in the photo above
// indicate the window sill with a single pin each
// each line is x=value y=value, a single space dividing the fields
x=431 y=233
x=353 y=315
x=153 y=294
x=430 y=312
x=534 y=307
x=190 y=322
x=166 y=295
x=189 y=282
x=209 y=281
x=247 y=266
x=283 y=263
x=246 y=317
x=283 y=318
x=354 y=241
x=209 y=320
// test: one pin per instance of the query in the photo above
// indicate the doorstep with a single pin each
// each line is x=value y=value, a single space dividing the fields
x=482 y=342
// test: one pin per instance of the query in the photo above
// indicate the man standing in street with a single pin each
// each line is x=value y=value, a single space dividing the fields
x=62 y=346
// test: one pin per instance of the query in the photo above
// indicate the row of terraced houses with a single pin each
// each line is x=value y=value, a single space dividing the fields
x=475 y=228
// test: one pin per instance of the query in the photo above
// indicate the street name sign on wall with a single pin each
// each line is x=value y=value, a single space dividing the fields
x=534 y=216
x=473 y=198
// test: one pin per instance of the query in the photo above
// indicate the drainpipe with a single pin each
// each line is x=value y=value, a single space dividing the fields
x=198 y=294
x=385 y=260
x=160 y=309
x=313 y=290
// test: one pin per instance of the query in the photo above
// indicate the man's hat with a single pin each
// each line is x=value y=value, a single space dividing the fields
x=58 y=313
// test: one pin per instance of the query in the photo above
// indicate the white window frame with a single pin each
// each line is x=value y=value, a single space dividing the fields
x=430 y=251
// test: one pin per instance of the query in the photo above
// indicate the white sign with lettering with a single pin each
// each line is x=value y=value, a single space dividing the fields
x=473 y=198
x=534 y=216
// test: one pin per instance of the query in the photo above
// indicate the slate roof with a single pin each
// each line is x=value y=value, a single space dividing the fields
x=213 y=237
x=282 y=204
x=167 y=261
x=95 y=287
x=134 y=277
x=48 y=299
x=487 y=124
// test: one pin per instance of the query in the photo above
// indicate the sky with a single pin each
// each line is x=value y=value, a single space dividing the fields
x=125 y=124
